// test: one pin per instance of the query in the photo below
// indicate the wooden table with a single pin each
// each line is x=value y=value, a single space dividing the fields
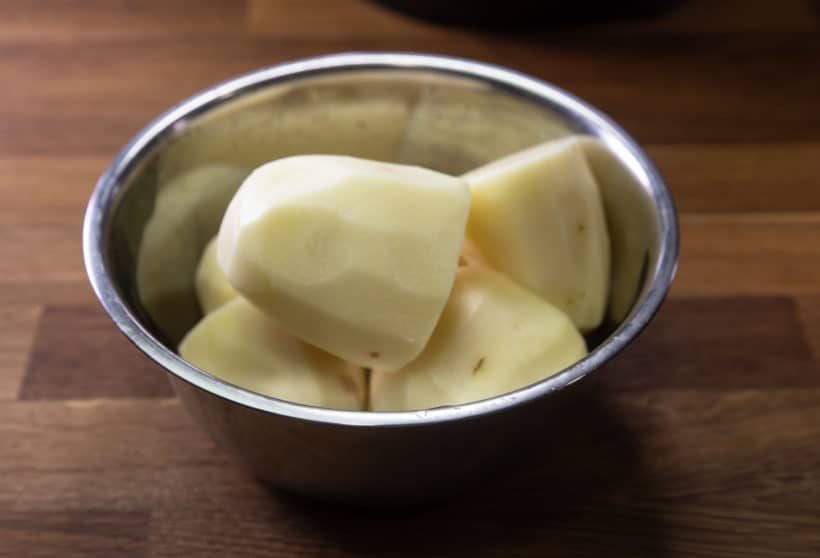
x=706 y=441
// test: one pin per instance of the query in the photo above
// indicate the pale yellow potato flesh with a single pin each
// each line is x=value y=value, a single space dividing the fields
x=493 y=337
x=242 y=346
x=537 y=216
x=186 y=215
x=212 y=287
x=356 y=257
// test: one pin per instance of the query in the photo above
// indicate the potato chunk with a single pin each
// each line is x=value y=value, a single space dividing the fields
x=239 y=344
x=537 y=216
x=493 y=337
x=356 y=257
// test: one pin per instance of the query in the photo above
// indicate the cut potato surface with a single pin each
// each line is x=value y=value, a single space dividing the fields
x=212 y=287
x=356 y=257
x=239 y=344
x=537 y=216
x=493 y=337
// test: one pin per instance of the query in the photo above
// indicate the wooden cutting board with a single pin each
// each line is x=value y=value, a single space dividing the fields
x=705 y=437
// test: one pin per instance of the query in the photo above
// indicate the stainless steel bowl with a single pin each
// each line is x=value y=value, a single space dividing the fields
x=447 y=113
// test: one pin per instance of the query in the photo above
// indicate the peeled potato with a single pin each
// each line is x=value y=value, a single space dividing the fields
x=239 y=344
x=212 y=287
x=493 y=337
x=187 y=213
x=537 y=216
x=353 y=256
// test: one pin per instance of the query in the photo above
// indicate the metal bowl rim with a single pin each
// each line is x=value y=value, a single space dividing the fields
x=109 y=186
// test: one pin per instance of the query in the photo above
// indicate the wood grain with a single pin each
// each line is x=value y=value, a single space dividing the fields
x=67 y=21
x=49 y=252
x=56 y=188
x=98 y=435
x=55 y=112
x=809 y=310
x=78 y=355
x=17 y=328
x=39 y=290
x=702 y=439
x=719 y=343
x=749 y=254
x=741 y=178
x=119 y=534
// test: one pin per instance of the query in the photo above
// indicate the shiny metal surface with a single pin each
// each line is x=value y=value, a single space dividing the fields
x=450 y=114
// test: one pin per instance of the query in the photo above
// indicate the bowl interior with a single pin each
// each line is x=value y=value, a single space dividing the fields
x=170 y=201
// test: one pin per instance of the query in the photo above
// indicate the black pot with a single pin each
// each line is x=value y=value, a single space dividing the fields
x=523 y=13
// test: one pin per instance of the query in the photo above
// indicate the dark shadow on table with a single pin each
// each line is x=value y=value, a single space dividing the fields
x=581 y=494
x=522 y=15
